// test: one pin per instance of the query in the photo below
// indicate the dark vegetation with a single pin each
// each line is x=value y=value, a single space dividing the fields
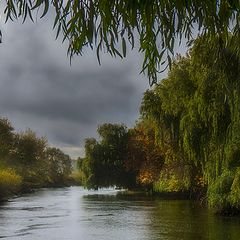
x=187 y=138
x=27 y=162
x=153 y=26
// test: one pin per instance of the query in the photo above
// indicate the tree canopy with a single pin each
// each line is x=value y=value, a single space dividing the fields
x=196 y=113
x=27 y=161
x=187 y=139
x=103 y=164
x=114 y=26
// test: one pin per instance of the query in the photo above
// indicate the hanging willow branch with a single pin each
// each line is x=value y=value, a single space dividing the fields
x=115 y=25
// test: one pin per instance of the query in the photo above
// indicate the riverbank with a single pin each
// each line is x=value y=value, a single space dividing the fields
x=10 y=192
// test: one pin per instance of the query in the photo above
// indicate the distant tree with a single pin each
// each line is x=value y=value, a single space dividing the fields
x=28 y=157
x=86 y=164
x=58 y=165
x=26 y=161
x=30 y=148
x=6 y=137
x=112 y=26
x=103 y=164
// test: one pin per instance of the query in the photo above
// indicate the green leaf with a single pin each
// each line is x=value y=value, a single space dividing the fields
x=38 y=4
x=46 y=7
x=98 y=53
x=124 y=48
x=169 y=61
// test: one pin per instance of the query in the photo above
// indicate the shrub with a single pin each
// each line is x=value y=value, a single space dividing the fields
x=234 y=197
x=10 y=182
x=78 y=177
x=169 y=183
x=219 y=191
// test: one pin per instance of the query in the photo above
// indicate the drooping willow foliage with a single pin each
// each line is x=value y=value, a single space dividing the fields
x=153 y=26
x=197 y=108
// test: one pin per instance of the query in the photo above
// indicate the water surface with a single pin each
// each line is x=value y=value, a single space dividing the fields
x=74 y=213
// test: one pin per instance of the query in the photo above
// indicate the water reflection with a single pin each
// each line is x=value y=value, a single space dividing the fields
x=187 y=220
x=74 y=213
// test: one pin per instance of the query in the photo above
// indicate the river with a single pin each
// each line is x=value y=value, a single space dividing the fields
x=74 y=213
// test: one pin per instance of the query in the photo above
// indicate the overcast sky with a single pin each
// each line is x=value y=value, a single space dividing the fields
x=40 y=90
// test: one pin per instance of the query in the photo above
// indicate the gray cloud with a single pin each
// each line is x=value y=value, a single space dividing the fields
x=57 y=94
x=39 y=89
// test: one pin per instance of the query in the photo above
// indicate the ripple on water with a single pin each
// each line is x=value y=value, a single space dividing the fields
x=74 y=213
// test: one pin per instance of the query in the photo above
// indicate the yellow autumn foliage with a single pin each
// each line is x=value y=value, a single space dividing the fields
x=10 y=182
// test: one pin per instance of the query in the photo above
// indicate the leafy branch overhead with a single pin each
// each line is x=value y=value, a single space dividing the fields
x=114 y=26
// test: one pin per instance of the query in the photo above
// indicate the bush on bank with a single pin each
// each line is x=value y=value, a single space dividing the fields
x=10 y=183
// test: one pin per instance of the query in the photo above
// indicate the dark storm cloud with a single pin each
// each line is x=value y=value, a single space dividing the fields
x=40 y=90
x=81 y=97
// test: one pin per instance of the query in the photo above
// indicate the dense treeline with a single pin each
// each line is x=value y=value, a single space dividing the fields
x=123 y=157
x=27 y=161
x=187 y=138
x=196 y=112
x=103 y=163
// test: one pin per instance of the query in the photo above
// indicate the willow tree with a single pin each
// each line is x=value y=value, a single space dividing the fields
x=113 y=26
x=196 y=109
x=165 y=106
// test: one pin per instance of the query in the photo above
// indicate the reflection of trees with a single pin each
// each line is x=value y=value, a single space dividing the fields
x=173 y=220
